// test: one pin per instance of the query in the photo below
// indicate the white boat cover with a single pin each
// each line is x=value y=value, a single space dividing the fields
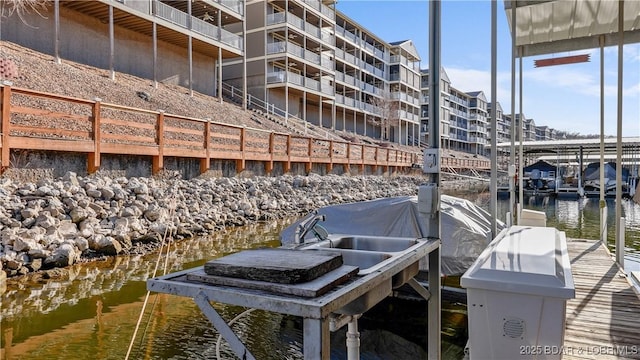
x=465 y=227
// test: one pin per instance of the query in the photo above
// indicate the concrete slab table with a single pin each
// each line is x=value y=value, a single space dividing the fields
x=316 y=312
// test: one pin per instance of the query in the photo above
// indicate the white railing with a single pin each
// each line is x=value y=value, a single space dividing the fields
x=276 y=77
x=351 y=36
x=142 y=6
x=369 y=47
x=312 y=84
x=351 y=59
x=170 y=14
x=379 y=53
x=296 y=50
x=327 y=89
x=295 y=21
x=312 y=57
x=327 y=11
x=232 y=39
x=312 y=30
x=327 y=37
x=295 y=78
x=368 y=87
x=351 y=80
x=326 y=63
x=234 y=5
x=314 y=4
x=204 y=28
x=275 y=18
x=276 y=47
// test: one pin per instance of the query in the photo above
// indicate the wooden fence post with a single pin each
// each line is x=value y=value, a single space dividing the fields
x=330 y=164
x=362 y=159
x=158 y=161
x=269 y=164
x=5 y=114
x=287 y=164
x=93 y=159
x=240 y=164
x=206 y=161
x=309 y=164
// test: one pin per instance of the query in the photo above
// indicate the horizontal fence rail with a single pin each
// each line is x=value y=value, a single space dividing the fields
x=50 y=122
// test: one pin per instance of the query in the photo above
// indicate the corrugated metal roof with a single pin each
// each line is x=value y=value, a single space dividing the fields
x=545 y=27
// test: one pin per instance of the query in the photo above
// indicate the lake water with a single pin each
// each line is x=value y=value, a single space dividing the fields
x=91 y=310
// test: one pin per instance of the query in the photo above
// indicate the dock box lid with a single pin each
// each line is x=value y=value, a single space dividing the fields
x=524 y=260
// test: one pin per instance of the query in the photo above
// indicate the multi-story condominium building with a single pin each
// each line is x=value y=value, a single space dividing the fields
x=503 y=126
x=322 y=67
x=528 y=128
x=302 y=56
x=458 y=120
x=477 y=122
x=404 y=87
x=544 y=133
x=445 y=108
x=177 y=42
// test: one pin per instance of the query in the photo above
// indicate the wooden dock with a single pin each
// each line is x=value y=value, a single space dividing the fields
x=603 y=321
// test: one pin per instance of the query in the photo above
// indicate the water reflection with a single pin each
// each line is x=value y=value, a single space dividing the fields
x=90 y=310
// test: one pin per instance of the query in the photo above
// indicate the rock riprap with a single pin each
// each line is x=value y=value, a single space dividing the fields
x=59 y=222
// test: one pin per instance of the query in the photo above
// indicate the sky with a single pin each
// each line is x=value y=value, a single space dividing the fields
x=564 y=97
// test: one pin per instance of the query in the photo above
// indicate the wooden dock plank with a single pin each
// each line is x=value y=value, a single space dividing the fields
x=603 y=321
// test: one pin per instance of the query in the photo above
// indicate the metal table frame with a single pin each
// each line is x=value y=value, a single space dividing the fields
x=316 y=312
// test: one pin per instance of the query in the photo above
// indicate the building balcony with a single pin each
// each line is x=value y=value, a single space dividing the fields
x=348 y=58
x=182 y=19
x=399 y=59
x=374 y=70
x=347 y=79
x=293 y=49
x=291 y=78
x=233 y=5
x=347 y=34
x=321 y=8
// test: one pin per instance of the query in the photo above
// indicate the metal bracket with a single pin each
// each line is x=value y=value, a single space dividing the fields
x=221 y=325
x=421 y=290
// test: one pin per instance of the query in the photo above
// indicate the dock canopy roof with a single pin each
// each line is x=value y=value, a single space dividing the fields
x=553 y=26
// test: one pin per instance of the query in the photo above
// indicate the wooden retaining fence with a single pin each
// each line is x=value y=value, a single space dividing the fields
x=50 y=122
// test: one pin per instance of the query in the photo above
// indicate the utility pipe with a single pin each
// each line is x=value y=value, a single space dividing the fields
x=353 y=340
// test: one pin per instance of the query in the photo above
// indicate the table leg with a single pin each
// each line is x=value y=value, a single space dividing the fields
x=316 y=339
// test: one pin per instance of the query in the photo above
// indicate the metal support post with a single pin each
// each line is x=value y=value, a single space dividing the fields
x=218 y=322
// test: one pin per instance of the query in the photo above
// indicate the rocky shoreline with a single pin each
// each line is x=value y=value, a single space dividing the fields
x=58 y=222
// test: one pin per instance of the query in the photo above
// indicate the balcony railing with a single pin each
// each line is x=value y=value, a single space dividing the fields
x=312 y=84
x=182 y=19
x=234 y=5
x=327 y=89
x=276 y=47
x=327 y=37
x=204 y=28
x=347 y=34
x=312 y=57
x=327 y=11
x=275 y=18
x=295 y=21
x=171 y=14
x=296 y=50
x=351 y=80
x=232 y=39
x=326 y=63
x=312 y=30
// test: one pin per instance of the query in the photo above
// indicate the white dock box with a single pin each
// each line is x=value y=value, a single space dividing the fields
x=516 y=294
